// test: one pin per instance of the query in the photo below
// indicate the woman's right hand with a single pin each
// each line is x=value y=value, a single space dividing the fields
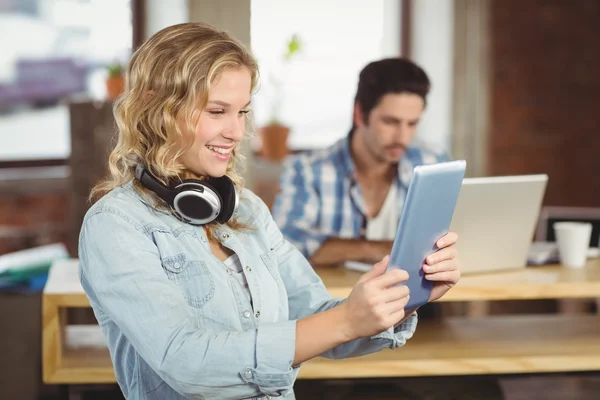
x=375 y=304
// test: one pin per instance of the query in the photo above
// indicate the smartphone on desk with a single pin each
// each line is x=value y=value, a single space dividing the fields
x=428 y=209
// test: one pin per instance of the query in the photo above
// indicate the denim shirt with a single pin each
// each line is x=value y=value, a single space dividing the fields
x=176 y=323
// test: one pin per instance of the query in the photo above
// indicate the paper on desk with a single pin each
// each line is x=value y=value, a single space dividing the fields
x=357 y=266
x=31 y=258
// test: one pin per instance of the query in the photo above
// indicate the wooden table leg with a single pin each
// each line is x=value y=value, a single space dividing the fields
x=53 y=327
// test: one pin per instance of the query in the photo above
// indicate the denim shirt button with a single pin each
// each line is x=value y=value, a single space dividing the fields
x=203 y=239
x=248 y=268
x=226 y=236
x=177 y=266
x=247 y=314
x=230 y=272
x=257 y=314
x=248 y=374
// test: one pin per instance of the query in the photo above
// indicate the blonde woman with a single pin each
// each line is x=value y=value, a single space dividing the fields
x=198 y=294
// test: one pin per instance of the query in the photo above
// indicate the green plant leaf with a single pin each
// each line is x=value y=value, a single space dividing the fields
x=115 y=70
x=294 y=46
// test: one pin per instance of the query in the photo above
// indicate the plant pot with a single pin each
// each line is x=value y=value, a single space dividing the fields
x=274 y=141
x=114 y=86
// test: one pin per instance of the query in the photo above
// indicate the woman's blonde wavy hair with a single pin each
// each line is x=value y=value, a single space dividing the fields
x=168 y=81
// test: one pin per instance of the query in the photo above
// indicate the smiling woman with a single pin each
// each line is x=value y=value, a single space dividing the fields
x=198 y=293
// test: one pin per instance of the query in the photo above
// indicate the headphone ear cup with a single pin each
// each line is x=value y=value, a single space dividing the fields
x=197 y=202
x=229 y=196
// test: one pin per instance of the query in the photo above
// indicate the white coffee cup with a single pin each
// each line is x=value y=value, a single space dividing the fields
x=573 y=240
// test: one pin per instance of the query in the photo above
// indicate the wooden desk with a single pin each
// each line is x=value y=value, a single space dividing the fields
x=531 y=283
x=453 y=346
x=71 y=354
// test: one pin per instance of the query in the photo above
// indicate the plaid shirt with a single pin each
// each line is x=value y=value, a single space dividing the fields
x=320 y=197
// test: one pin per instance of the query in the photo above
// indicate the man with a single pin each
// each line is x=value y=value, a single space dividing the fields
x=344 y=203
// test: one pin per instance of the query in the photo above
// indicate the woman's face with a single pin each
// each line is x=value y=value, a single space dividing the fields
x=221 y=124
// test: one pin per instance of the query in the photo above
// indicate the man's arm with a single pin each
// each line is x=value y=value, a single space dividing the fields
x=297 y=210
x=297 y=207
x=336 y=251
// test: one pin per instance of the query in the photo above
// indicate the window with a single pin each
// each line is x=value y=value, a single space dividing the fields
x=57 y=49
x=339 y=37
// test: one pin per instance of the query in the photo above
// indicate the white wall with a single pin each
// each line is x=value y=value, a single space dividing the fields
x=392 y=17
x=161 y=13
x=431 y=46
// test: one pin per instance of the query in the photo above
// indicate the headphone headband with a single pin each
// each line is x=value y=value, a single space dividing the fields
x=150 y=182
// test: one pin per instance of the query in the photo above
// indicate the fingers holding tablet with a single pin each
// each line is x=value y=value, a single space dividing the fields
x=378 y=300
x=447 y=240
x=443 y=267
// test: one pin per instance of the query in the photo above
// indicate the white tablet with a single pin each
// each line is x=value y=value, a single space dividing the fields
x=426 y=217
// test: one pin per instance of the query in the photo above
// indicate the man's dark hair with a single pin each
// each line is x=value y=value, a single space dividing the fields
x=390 y=75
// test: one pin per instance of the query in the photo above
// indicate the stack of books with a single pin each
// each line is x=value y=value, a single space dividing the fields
x=27 y=270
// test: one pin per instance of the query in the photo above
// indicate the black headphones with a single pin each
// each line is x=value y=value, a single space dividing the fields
x=196 y=202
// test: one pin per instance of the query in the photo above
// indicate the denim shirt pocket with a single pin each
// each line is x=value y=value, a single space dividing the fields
x=192 y=277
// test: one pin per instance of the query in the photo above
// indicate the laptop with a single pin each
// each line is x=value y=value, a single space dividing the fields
x=495 y=218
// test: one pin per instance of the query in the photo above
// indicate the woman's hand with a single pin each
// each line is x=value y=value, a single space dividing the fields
x=375 y=303
x=443 y=267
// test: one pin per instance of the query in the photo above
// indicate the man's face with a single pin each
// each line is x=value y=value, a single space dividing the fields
x=390 y=127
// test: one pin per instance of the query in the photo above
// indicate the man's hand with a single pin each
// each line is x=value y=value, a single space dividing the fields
x=377 y=250
x=443 y=266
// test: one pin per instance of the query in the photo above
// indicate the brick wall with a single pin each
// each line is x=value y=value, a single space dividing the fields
x=28 y=220
x=545 y=114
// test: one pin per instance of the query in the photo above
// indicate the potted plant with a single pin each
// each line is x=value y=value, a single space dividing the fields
x=115 y=81
x=274 y=135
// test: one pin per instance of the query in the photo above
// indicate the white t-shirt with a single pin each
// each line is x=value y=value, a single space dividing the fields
x=385 y=224
x=234 y=264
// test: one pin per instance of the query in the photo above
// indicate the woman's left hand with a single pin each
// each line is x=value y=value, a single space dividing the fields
x=443 y=267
